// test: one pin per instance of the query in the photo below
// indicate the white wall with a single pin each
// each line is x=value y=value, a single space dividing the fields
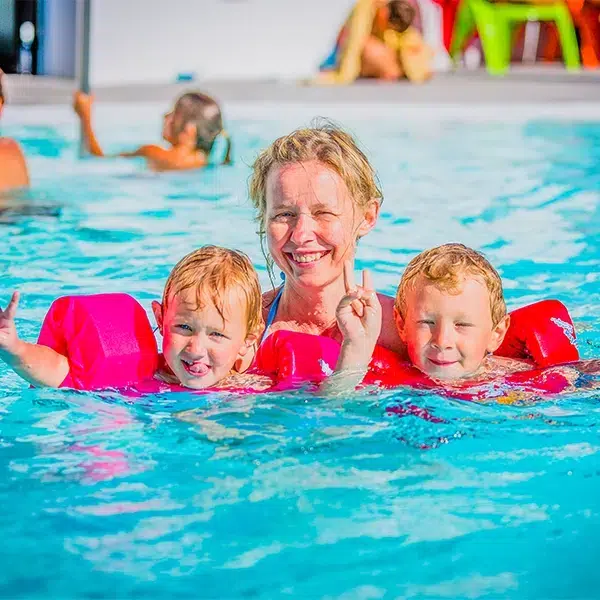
x=57 y=50
x=154 y=40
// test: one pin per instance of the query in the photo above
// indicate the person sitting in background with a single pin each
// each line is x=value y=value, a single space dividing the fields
x=190 y=129
x=380 y=41
x=13 y=166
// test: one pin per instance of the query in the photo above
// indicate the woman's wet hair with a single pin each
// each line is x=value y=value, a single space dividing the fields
x=332 y=147
x=402 y=14
x=204 y=113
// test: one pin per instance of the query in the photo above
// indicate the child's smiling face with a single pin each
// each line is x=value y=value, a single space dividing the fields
x=201 y=345
x=448 y=334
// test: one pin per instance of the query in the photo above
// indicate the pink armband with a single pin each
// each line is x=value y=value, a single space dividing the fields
x=106 y=338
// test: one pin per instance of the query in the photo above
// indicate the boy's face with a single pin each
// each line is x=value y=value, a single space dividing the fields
x=448 y=334
x=168 y=131
x=199 y=346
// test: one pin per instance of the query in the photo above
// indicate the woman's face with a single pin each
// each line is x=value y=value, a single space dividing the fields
x=312 y=223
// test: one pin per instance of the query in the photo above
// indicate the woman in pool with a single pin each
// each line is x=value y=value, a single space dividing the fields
x=13 y=167
x=315 y=195
x=190 y=129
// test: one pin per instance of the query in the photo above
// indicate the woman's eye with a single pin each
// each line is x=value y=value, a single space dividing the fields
x=425 y=322
x=464 y=324
x=283 y=216
x=325 y=213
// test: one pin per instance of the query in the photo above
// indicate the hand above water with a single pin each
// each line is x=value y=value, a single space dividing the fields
x=9 y=339
x=82 y=104
x=359 y=314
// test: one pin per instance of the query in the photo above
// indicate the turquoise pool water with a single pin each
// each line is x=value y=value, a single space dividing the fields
x=293 y=496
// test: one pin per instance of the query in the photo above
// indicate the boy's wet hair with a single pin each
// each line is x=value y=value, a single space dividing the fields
x=402 y=14
x=446 y=267
x=214 y=272
x=204 y=113
x=325 y=143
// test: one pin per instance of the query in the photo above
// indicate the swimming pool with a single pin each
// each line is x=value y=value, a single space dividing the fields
x=293 y=496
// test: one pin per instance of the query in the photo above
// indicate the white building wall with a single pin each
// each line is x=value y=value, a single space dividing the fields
x=155 y=40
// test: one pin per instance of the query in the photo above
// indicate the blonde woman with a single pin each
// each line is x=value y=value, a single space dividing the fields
x=315 y=195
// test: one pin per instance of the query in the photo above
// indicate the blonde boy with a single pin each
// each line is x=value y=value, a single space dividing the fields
x=449 y=311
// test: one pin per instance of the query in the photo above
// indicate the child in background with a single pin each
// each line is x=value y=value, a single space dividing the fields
x=210 y=318
x=190 y=129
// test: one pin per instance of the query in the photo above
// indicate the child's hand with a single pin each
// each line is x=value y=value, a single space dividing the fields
x=9 y=339
x=82 y=104
x=359 y=312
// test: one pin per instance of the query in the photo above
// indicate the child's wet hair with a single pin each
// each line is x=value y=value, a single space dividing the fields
x=204 y=113
x=446 y=267
x=402 y=14
x=214 y=272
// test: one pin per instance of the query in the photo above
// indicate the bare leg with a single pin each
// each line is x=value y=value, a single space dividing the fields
x=380 y=61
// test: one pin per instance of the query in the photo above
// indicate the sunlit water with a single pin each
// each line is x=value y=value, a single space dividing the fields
x=297 y=496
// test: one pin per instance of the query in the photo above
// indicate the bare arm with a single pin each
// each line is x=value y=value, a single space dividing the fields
x=82 y=104
x=39 y=365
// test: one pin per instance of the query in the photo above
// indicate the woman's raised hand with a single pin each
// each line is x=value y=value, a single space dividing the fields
x=359 y=311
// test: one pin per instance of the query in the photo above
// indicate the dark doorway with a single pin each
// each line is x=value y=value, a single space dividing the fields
x=13 y=13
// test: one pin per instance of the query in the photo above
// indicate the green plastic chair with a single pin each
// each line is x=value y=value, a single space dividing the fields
x=494 y=22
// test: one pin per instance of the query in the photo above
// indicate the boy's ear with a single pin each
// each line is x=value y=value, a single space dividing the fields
x=399 y=324
x=250 y=342
x=157 y=309
x=498 y=334
x=370 y=217
x=189 y=133
x=246 y=353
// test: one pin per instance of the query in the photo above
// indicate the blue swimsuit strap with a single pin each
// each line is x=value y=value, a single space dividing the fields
x=272 y=312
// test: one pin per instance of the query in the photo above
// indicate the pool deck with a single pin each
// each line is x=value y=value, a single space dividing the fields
x=523 y=84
